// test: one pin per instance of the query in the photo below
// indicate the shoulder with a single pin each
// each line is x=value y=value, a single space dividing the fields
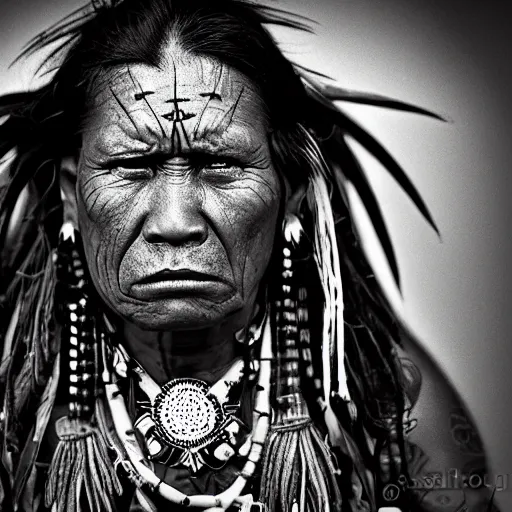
x=453 y=473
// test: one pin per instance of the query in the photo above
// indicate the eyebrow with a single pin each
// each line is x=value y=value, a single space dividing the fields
x=220 y=127
x=213 y=138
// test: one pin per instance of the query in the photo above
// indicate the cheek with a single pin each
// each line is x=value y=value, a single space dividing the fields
x=106 y=216
x=248 y=226
x=242 y=220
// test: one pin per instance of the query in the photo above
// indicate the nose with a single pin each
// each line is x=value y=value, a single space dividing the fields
x=174 y=215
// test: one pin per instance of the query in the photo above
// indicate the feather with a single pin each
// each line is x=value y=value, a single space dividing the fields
x=335 y=93
x=46 y=402
x=53 y=54
x=391 y=165
x=60 y=30
x=328 y=261
x=304 y=70
x=327 y=93
x=356 y=175
x=29 y=454
x=8 y=340
x=59 y=24
x=354 y=131
x=284 y=18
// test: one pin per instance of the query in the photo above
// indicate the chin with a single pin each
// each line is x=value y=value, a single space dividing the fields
x=181 y=314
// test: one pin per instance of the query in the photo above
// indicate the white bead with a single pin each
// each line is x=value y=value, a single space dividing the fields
x=292 y=382
x=233 y=428
x=144 y=423
x=255 y=454
x=243 y=451
x=223 y=452
x=154 y=447
x=121 y=369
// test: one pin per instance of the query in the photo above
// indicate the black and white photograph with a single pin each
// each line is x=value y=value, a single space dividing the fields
x=254 y=256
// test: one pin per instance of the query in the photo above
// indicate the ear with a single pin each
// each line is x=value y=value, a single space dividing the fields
x=67 y=177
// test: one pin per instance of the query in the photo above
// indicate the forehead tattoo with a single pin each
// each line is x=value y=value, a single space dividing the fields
x=144 y=98
x=195 y=103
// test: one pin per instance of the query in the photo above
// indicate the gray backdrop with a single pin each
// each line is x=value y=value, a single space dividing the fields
x=452 y=57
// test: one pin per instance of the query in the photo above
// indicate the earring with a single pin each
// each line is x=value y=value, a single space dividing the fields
x=79 y=351
x=295 y=446
x=81 y=465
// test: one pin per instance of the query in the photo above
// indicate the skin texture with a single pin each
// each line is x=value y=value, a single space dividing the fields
x=175 y=174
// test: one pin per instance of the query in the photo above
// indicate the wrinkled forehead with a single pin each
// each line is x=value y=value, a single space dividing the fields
x=198 y=90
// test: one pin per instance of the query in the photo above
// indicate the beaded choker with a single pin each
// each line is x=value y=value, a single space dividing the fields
x=187 y=422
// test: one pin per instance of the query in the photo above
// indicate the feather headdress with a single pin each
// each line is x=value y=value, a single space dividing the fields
x=359 y=330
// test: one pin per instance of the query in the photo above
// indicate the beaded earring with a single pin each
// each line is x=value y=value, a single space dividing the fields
x=76 y=316
x=298 y=465
x=80 y=467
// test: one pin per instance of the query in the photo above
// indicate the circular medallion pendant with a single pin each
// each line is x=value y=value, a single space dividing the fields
x=185 y=415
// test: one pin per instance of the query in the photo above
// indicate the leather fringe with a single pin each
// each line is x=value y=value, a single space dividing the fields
x=81 y=471
x=298 y=468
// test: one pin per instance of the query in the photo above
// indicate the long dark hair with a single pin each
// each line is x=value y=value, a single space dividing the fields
x=43 y=126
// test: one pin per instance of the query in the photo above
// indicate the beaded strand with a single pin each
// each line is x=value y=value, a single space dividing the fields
x=252 y=447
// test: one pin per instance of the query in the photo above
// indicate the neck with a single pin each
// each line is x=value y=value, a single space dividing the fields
x=203 y=354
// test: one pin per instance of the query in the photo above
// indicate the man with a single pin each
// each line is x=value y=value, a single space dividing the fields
x=190 y=313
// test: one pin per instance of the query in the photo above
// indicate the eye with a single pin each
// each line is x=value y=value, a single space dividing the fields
x=219 y=165
x=223 y=168
x=133 y=168
x=132 y=174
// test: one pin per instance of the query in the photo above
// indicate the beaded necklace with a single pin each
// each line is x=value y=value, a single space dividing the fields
x=139 y=469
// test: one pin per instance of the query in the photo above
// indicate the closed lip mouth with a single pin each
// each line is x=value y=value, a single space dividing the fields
x=176 y=275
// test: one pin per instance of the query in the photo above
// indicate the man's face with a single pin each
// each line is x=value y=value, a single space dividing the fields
x=177 y=196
